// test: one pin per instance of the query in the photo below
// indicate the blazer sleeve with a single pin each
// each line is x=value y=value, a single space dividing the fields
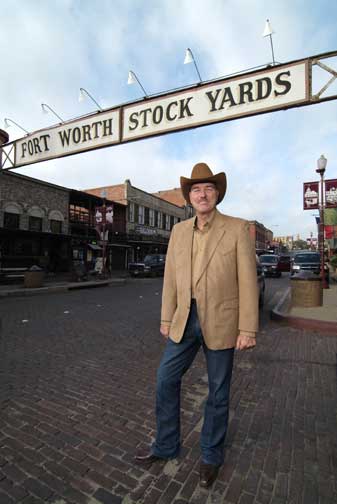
x=247 y=281
x=169 y=295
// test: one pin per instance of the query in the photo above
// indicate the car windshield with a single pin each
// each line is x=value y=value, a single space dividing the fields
x=268 y=259
x=304 y=258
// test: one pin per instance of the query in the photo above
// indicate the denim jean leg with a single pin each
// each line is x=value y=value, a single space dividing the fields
x=219 y=370
x=176 y=360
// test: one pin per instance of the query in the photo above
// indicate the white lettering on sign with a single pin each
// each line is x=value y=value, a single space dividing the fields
x=92 y=132
x=219 y=101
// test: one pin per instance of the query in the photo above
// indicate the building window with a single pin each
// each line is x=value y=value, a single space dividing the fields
x=35 y=223
x=11 y=220
x=155 y=223
x=146 y=216
x=151 y=217
x=168 y=221
x=160 y=220
x=136 y=213
x=131 y=212
x=172 y=219
x=140 y=214
x=55 y=226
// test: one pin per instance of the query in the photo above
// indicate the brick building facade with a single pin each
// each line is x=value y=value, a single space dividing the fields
x=54 y=227
x=33 y=222
x=149 y=218
x=260 y=235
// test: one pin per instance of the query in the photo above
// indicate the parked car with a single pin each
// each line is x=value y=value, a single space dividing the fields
x=260 y=281
x=305 y=261
x=152 y=265
x=284 y=262
x=271 y=265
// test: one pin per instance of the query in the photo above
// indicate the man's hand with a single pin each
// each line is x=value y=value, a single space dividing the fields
x=243 y=342
x=164 y=330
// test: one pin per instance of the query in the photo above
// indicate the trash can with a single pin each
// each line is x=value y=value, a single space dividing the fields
x=34 y=277
x=306 y=290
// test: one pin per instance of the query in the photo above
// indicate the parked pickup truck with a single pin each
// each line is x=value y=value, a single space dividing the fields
x=152 y=265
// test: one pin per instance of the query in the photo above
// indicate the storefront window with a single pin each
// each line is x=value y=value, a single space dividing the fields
x=11 y=220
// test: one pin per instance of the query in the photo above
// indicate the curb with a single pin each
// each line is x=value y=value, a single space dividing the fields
x=61 y=288
x=280 y=314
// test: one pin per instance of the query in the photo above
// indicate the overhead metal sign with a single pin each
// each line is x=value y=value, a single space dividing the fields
x=217 y=102
x=99 y=130
x=275 y=88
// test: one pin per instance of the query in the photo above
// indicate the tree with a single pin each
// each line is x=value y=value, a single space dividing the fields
x=300 y=244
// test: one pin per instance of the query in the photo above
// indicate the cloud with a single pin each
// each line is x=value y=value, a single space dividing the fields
x=58 y=47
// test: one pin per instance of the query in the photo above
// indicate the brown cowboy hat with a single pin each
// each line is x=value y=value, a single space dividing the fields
x=201 y=172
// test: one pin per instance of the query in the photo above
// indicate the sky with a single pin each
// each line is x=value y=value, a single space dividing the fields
x=48 y=50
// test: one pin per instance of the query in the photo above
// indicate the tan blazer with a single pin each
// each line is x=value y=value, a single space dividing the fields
x=226 y=291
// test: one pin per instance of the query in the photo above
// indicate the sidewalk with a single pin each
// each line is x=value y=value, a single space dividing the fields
x=61 y=282
x=321 y=318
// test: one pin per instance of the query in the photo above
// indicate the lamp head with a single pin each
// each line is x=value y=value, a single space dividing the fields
x=81 y=96
x=131 y=78
x=267 y=29
x=321 y=165
x=188 y=56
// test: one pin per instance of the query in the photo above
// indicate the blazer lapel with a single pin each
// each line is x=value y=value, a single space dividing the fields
x=185 y=251
x=216 y=233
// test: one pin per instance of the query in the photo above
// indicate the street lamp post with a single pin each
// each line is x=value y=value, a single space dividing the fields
x=321 y=165
x=103 y=195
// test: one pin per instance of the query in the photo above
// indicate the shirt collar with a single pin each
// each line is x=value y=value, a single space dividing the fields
x=208 y=224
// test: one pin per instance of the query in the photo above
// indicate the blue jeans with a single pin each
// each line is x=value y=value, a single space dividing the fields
x=176 y=360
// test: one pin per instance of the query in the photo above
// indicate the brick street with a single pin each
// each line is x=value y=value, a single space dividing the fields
x=77 y=384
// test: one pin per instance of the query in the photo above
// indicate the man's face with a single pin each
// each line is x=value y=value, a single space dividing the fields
x=203 y=197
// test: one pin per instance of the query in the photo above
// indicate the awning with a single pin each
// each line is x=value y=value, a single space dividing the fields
x=94 y=247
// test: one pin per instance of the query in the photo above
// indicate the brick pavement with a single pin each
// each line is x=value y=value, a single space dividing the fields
x=77 y=376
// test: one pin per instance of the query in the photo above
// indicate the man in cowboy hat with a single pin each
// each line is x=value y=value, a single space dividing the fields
x=210 y=299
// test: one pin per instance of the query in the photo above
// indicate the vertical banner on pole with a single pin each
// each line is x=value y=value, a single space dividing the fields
x=310 y=195
x=331 y=193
